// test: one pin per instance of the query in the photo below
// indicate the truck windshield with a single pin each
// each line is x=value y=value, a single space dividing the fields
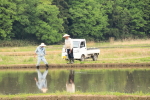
x=76 y=44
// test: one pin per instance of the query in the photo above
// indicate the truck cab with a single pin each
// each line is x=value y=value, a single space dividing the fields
x=81 y=52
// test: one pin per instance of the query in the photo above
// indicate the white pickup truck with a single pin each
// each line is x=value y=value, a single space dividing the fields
x=81 y=52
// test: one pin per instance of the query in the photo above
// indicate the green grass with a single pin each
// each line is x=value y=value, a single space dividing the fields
x=106 y=56
x=76 y=93
x=132 y=52
x=28 y=48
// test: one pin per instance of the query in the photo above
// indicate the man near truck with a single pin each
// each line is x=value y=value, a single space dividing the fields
x=69 y=48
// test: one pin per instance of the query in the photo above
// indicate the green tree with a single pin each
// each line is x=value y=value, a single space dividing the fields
x=48 y=25
x=119 y=20
x=39 y=19
x=146 y=16
x=22 y=21
x=7 y=16
x=137 y=21
x=126 y=19
x=88 y=19
x=64 y=12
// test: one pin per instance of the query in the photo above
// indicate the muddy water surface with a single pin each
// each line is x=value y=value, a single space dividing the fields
x=50 y=81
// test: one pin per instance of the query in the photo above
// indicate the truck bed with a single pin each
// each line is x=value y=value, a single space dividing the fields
x=93 y=51
x=92 y=48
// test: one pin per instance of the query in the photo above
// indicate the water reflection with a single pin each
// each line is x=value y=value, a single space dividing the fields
x=70 y=86
x=41 y=83
x=104 y=80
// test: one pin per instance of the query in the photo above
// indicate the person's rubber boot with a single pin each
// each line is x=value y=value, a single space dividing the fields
x=37 y=67
x=72 y=61
x=69 y=61
x=47 y=66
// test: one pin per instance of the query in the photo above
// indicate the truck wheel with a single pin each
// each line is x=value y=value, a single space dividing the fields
x=82 y=58
x=94 y=57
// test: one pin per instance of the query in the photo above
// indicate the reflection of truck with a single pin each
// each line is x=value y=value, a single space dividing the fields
x=81 y=52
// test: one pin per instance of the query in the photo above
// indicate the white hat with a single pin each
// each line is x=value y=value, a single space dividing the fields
x=42 y=44
x=66 y=35
x=44 y=90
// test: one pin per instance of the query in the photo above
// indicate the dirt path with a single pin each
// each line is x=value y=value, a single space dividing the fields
x=80 y=66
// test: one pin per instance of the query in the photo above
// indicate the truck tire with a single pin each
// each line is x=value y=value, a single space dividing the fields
x=82 y=58
x=94 y=57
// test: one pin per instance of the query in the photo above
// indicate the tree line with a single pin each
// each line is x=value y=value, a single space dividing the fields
x=96 y=20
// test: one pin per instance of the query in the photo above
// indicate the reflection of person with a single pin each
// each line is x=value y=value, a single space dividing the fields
x=41 y=83
x=40 y=51
x=69 y=48
x=70 y=86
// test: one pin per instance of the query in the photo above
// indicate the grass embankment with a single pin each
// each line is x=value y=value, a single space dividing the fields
x=79 y=96
x=133 y=51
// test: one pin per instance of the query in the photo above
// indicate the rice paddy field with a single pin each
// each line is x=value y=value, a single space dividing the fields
x=127 y=51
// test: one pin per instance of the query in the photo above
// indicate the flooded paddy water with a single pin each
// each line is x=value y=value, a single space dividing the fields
x=83 y=80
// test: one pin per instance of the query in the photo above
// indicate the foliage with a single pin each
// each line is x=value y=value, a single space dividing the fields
x=64 y=13
x=125 y=19
x=88 y=19
x=7 y=16
x=146 y=16
x=47 y=20
x=36 y=19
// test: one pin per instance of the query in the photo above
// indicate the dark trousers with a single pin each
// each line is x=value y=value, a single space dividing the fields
x=71 y=76
x=70 y=55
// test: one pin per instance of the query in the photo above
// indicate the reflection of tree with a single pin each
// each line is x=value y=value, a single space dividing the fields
x=82 y=81
x=101 y=80
x=25 y=81
x=16 y=82
x=70 y=86
x=130 y=83
x=13 y=82
x=138 y=81
x=58 y=79
x=141 y=80
x=115 y=80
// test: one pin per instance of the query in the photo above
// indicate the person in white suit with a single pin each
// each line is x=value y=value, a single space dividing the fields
x=40 y=52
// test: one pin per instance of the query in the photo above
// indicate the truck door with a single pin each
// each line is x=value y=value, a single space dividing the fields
x=83 y=48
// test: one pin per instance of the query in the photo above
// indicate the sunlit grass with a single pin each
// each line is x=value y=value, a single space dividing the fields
x=25 y=55
x=29 y=48
x=77 y=93
x=114 y=55
x=120 y=43
x=136 y=42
